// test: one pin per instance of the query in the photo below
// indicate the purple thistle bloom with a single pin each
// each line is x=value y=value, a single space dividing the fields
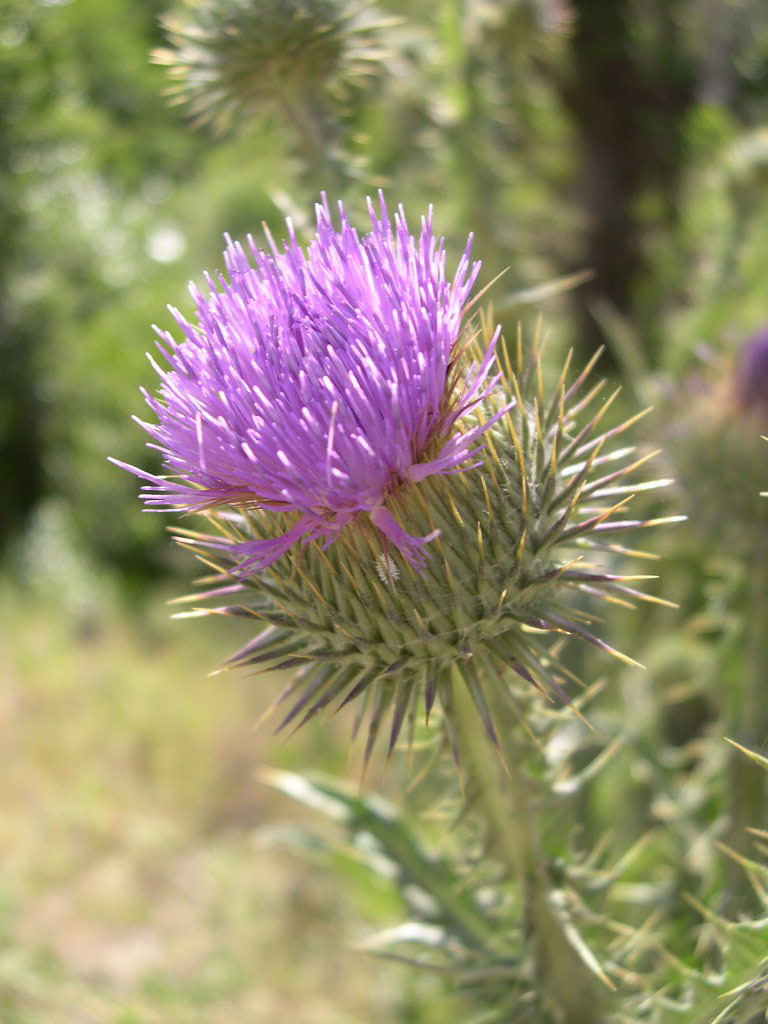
x=320 y=383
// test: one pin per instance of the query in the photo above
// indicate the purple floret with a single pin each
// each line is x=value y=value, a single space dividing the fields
x=317 y=382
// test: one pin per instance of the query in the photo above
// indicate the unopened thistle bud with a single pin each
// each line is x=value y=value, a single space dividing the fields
x=229 y=58
x=750 y=377
x=388 y=492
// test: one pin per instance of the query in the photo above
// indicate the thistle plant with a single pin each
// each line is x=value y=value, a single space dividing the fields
x=414 y=519
x=297 y=61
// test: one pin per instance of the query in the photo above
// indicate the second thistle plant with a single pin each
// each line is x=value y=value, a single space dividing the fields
x=386 y=507
x=718 y=455
x=300 y=62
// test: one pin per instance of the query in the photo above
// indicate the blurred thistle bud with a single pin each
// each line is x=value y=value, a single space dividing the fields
x=234 y=58
x=714 y=443
x=750 y=377
x=393 y=499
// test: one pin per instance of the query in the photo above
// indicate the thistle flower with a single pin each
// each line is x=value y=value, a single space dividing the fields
x=388 y=502
x=318 y=384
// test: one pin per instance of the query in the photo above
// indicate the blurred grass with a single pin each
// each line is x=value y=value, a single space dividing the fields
x=135 y=883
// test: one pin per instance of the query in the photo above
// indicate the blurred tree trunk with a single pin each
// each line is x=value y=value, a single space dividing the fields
x=20 y=441
x=629 y=94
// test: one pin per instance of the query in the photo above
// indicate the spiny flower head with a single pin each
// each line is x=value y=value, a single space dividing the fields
x=320 y=383
x=396 y=513
x=233 y=57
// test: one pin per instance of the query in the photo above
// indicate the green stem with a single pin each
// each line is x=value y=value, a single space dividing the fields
x=503 y=801
x=754 y=716
x=513 y=810
x=748 y=804
x=311 y=128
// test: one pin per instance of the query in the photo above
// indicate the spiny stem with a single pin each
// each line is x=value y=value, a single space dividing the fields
x=514 y=814
x=501 y=802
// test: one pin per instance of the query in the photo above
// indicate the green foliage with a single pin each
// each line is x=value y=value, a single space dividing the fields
x=460 y=927
x=735 y=989
x=465 y=923
x=717 y=457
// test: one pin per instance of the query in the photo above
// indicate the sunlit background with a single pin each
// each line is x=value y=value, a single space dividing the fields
x=612 y=158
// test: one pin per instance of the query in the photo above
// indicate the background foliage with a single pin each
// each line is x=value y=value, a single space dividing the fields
x=627 y=139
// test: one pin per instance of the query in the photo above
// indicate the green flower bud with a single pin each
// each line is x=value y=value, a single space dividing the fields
x=242 y=57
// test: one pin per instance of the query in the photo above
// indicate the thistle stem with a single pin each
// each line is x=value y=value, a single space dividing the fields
x=502 y=796
x=514 y=813
x=311 y=142
x=749 y=718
